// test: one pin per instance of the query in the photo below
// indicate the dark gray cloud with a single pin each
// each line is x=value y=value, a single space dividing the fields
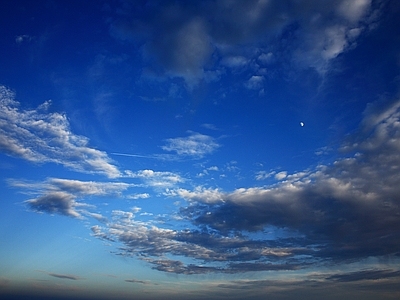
x=136 y=281
x=55 y=203
x=348 y=210
x=63 y=276
x=58 y=195
x=365 y=275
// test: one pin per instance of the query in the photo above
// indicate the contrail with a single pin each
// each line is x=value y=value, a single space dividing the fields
x=131 y=155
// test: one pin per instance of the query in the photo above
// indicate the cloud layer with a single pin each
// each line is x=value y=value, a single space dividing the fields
x=189 y=40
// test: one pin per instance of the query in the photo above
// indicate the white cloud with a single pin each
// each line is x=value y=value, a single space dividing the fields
x=255 y=82
x=21 y=38
x=266 y=58
x=138 y=196
x=213 y=168
x=156 y=179
x=234 y=61
x=39 y=136
x=209 y=126
x=196 y=145
x=199 y=194
x=75 y=187
x=281 y=175
x=353 y=10
x=261 y=175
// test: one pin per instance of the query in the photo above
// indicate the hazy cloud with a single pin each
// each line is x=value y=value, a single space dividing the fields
x=186 y=39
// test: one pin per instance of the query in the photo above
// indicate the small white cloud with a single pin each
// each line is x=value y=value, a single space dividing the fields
x=22 y=38
x=195 y=145
x=281 y=175
x=200 y=194
x=209 y=126
x=234 y=61
x=261 y=175
x=138 y=196
x=255 y=82
x=156 y=179
x=266 y=58
x=213 y=168
x=353 y=10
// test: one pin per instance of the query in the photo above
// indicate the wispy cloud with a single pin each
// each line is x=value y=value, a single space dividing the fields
x=41 y=137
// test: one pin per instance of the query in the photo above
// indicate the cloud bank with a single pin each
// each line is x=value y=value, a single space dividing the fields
x=343 y=212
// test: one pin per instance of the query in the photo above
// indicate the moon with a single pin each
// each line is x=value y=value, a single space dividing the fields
x=301 y=124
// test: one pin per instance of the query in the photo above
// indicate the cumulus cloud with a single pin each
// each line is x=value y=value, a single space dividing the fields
x=40 y=137
x=195 y=145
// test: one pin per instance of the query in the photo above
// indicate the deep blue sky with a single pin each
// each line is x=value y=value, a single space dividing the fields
x=200 y=149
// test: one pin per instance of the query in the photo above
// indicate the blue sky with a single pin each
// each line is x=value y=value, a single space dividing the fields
x=200 y=149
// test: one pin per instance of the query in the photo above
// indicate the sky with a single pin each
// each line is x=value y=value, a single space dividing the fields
x=230 y=149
